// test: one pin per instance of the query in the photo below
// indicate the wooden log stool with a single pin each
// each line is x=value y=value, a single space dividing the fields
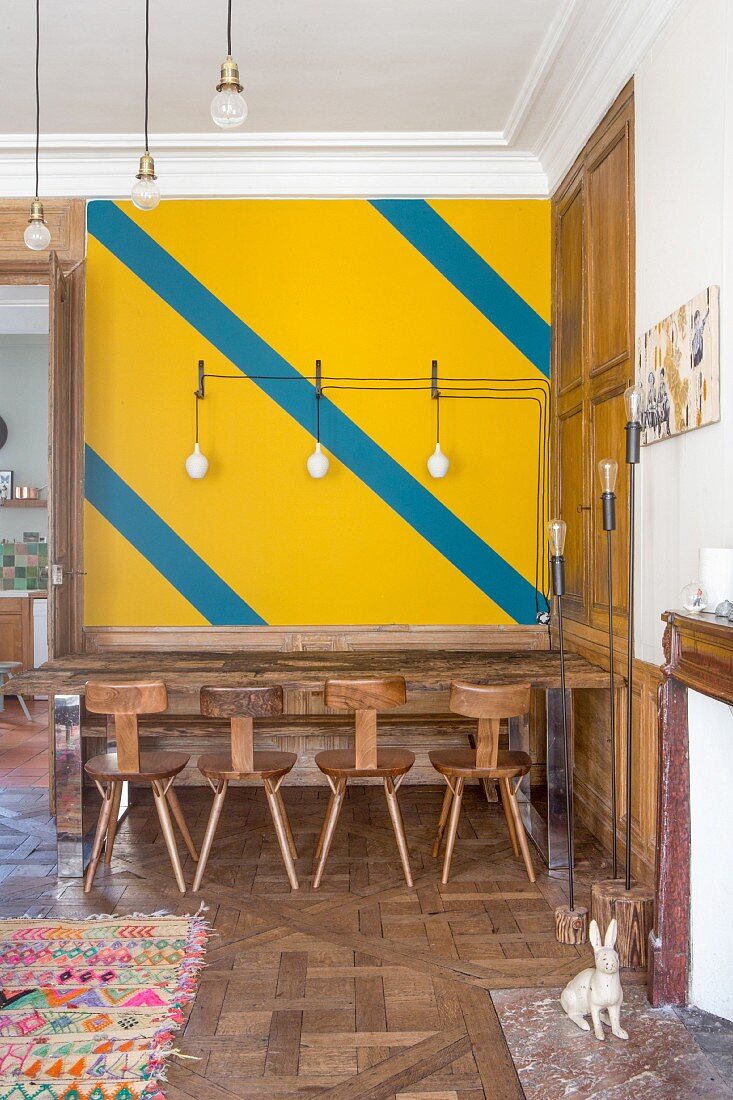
x=125 y=702
x=242 y=705
x=365 y=698
x=489 y=705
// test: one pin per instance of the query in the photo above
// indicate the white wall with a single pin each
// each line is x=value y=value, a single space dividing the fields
x=684 y=234
x=24 y=408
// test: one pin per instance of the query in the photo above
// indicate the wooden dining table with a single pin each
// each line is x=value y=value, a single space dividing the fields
x=428 y=675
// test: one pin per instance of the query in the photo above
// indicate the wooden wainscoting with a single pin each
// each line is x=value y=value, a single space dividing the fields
x=593 y=751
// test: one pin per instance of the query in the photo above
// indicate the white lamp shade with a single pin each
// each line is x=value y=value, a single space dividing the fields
x=438 y=463
x=197 y=464
x=318 y=463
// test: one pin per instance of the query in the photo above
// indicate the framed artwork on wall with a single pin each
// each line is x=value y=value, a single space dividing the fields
x=6 y=485
x=678 y=368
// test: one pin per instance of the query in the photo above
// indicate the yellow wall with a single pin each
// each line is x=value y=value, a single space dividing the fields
x=257 y=539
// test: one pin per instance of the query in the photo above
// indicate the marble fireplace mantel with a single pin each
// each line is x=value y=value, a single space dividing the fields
x=698 y=651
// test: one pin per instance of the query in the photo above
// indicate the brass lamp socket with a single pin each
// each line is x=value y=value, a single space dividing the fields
x=37 y=212
x=147 y=168
x=229 y=76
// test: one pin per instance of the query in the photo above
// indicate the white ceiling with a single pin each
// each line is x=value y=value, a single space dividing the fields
x=308 y=65
x=488 y=87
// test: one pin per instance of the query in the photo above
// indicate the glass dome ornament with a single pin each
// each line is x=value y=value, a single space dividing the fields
x=694 y=597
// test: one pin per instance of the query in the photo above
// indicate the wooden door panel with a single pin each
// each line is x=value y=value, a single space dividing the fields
x=571 y=498
x=65 y=397
x=608 y=440
x=609 y=253
x=569 y=280
x=11 y=636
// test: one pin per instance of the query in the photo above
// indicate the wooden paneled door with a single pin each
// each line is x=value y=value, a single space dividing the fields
x=65 y=459
x=593 y=361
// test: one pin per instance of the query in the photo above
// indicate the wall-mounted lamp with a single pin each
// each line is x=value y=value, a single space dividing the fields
x=197 y=464
x=318 y=463
x=438 y=463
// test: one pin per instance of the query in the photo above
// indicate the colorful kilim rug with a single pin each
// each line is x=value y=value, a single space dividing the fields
x=88 y=1008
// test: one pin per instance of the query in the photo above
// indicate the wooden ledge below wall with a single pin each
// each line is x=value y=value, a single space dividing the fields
x=297 y=639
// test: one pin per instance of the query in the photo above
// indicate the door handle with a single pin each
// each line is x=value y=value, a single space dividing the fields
x=583 y=508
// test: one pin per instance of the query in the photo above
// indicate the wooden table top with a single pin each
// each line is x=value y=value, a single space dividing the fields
x=187 y=671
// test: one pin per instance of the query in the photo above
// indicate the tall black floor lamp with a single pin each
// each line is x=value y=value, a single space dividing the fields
x=571 y=924
x=608 y=472
x=631 y=907
x=633 y=401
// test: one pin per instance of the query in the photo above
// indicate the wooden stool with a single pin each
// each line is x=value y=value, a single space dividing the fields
x=243 y=705
x=486 y=761
x=110 y=770
x=365 y=697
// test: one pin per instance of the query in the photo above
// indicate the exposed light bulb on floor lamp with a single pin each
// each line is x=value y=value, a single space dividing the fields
x=228 y=107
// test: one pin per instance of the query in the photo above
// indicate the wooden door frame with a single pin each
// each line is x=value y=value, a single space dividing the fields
x=19 y=266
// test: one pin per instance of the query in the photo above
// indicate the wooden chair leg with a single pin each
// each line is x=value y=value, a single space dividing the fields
x=450 y=839
x=175 y=806
x=286 y=820
x=334 y=809
x=521 y=834
x=444 y=811
x=100 y=834
x=399 y=827
x=161 y=805
x=218 y=804
x=319 y=845
x=112 y=827
x=506 y=803
x=279 y=818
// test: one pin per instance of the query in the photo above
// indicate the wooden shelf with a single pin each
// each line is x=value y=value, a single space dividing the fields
x=15 y=503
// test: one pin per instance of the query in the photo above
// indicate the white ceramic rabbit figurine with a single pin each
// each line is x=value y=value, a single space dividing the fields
x=597 y=990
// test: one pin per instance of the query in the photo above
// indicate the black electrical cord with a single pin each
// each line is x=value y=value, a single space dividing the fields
x=38 y=88
x=147 y=69
x=229 y=29
x=478 y=392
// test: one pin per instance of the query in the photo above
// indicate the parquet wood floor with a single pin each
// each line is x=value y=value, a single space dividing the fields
x=363 y=989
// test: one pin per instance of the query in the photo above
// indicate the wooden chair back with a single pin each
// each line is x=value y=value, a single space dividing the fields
x=489 y=705
x=242 y=705
x=365 y=698
x=125 y=702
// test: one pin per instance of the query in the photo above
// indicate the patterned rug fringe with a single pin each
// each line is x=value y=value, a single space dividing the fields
x=161 y=1047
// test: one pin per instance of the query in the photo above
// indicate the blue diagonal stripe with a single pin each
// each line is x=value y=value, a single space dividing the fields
x=163 y=548
x=448 y=534
x=469 y=273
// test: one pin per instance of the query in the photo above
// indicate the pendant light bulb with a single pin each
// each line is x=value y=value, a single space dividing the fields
x=228 y=107
x=438 y=463
x=318 y=463
x=37 y=235
x=145 y=191
x=197 y=464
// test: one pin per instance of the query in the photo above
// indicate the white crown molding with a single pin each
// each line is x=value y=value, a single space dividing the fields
x=276 y=165
x=622 y=40
x=544 y=62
